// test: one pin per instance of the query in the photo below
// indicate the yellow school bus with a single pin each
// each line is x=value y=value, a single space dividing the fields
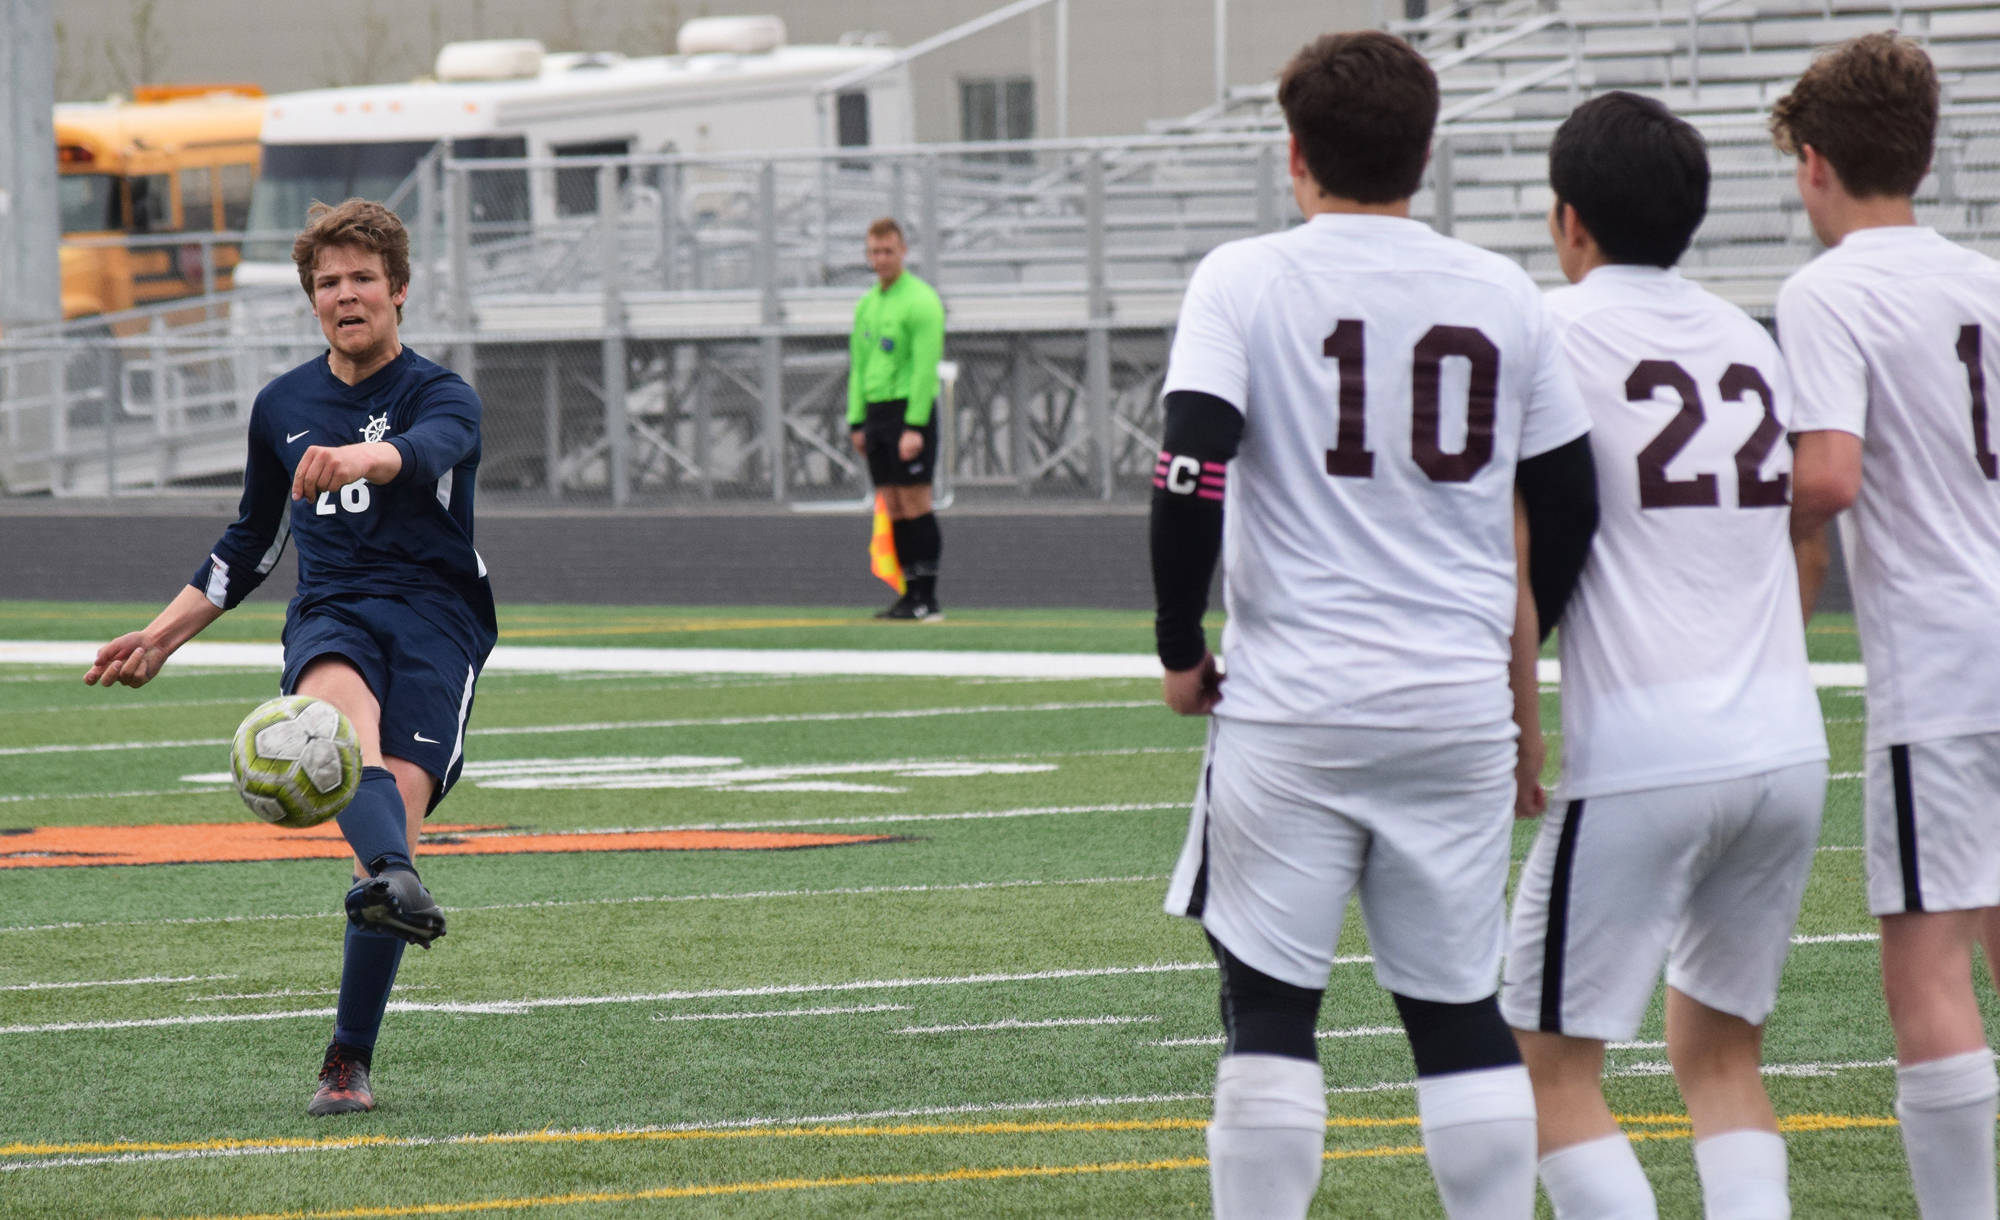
x=176 y=160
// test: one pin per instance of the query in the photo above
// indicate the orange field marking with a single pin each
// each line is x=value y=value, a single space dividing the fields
x=235 y=842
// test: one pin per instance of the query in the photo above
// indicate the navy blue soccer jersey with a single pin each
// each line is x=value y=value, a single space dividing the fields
x=410 y=538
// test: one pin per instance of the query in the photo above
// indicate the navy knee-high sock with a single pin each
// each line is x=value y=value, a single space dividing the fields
x=373 y=821
x=367 y=972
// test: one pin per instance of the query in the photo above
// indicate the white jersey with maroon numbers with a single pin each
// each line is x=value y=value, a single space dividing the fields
x=1894 y=336
x=1390 y=379
x=1683 y=654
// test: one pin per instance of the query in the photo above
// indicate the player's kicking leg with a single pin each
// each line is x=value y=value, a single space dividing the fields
x=387 y=905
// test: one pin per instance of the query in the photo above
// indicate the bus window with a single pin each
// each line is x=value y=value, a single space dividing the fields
x=197 y=200
x=237 y=179
x=88 y=203
x=152 y=203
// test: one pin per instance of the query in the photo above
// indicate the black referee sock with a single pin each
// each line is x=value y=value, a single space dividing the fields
x=920 y=559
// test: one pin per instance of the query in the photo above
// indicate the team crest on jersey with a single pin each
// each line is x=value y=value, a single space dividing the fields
x=376 y=428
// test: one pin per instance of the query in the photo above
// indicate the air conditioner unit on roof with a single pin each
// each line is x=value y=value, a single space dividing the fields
x=732 y=35
x=490 y=59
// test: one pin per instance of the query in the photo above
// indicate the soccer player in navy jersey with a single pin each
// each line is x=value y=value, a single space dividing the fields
x=367 y=455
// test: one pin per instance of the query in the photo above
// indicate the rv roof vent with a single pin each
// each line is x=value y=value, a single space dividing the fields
x=732 y=35
x=492 y=59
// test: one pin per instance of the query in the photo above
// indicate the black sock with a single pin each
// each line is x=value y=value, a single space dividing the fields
x=920 y=561
x=904 y=534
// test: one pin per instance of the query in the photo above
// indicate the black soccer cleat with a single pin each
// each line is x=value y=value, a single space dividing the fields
x=343 y=1082
x=396 y=902
x=916 y=609
x=900 y=608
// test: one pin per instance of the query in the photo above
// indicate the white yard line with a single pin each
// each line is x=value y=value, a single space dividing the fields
x=605 y=726
x=532 y=1003
x=634 y=900
x=149 y=979
x=781 y=1012
x=1016 y=1023
x=519 y=658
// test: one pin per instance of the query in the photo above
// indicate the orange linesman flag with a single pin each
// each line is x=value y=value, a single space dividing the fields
x=882 y=559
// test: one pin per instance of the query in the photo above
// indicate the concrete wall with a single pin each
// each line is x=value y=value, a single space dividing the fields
x=1130 y=60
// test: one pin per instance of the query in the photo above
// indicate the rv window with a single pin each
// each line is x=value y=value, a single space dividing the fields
x=576 y=189
x=997 y=108
x=152 y=203
x=236 y=181
x=499 y=196
x=293 y=175
x=88 y=202
x=852 y=120
x=197 y=200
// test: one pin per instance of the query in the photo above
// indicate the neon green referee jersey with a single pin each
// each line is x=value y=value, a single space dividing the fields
x=897 y=341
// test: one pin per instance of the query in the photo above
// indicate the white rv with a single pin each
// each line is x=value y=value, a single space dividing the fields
x=735 y=86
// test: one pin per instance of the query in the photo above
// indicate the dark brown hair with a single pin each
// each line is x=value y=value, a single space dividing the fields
x=1870 y=107
x=1361 y=106
x=362 y=224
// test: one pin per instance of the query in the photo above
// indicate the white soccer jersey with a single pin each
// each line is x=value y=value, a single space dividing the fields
x=1684 y=657
x=1894 y=336
x=1389 y=378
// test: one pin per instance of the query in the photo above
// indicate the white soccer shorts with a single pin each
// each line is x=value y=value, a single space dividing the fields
x=1931 y=812
x=1290 y=821
x=1703 y=879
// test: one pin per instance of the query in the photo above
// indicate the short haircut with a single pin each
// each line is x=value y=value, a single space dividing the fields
x=1636 y=175
x=883 y=226
x=1361 y=106
x=1870 y=106
x=362 y=224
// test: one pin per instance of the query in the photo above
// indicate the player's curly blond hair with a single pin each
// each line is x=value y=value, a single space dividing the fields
x=362 y=224
x=1870 y=106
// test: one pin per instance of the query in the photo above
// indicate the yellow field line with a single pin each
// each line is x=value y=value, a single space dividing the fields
x=745 y=1188
x=1678 y=1124
x=1803 y=1122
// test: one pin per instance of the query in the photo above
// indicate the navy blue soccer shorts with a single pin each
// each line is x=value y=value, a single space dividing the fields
x=421 y=670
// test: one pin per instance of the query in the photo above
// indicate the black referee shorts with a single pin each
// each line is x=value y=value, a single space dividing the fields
x=882 y=433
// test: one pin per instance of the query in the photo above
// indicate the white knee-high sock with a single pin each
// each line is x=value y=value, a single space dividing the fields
x=1268 y=1139
x=1479 y=1136
x=1598 y=1179
x=1743 y=1176
x=1947 y=1107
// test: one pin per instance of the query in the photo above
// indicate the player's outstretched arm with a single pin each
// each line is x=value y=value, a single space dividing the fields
x=331 y=467
x=135 y=657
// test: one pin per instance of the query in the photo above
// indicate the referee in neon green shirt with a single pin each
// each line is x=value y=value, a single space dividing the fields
x=892 y=385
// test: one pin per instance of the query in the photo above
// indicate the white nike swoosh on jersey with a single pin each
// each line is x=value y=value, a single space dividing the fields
x=427 y=740
x=296 y=435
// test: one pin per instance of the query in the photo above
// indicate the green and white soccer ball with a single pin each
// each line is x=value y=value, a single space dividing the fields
x=296 y=761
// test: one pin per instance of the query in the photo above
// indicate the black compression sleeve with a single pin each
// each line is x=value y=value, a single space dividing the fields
x=1559 y=491
x=1202 y=432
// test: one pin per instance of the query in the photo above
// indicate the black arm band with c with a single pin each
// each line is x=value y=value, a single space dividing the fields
x=1559 y=493
x=1201 y=435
